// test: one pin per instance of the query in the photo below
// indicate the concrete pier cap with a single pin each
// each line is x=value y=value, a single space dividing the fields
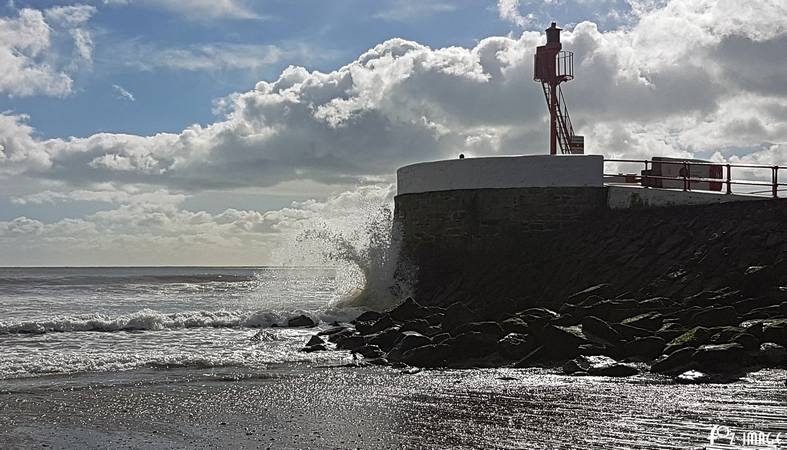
x=501 y=172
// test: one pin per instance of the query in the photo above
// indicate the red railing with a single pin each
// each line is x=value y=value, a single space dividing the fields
x=727 y=180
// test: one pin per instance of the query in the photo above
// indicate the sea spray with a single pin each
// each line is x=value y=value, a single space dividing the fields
x=360 y=242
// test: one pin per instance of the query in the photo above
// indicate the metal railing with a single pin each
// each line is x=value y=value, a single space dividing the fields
x=690 y=182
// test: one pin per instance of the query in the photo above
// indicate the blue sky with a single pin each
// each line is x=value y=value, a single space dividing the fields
x=128 y=127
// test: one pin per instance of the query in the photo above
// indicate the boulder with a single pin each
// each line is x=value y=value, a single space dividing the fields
x=746 y=340
x=341 y=335
x=418 y=325
x=645 y=347
x=387 y=339
x=536 y=356
x=432 y=355
x=332 y=331
x=301 y=321
x=720 y=357
x=514 y=325
x=715 y=316
x=351 y=343
x=515 y=346
x=772 y=355
x=561 y=342
x=775 y=331
x=490 y=328
x=411 y=340
x=603 y=366
x=597 y=330
x=315 y=340
x=629 y=332
x=314 y=348
x=368 y=316
x=370 y=351
x=651 y=321
x=693 y=338
x=471 y=344
x=670 y=330
x=438 y=338
x=409 y=309
x=676 y=362
x=435 y=319
x=693 y=377
x=599 y=349
x=457 y=315
x=383 y=323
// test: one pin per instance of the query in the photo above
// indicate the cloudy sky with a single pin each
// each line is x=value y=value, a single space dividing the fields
x=204 y=131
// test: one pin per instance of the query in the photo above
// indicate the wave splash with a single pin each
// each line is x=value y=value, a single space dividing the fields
x=150 y=320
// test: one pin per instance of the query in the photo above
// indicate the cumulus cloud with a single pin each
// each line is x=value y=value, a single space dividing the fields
x=509 y=11
x=687 y=78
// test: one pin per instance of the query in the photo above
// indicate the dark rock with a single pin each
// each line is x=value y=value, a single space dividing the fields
x=411 y=340
x=471 y=344
x=628 y=332
x=693 y=338
x=713 y=317
x=614 y=310
x=514 y=325
x=534 y=357
x=775 y=331
x=597 y=330
x=438 y=338
x=378 y=361
x=647 y=347
x=314 y=348
x=351 y=343
x=332 y=331
x=418 y=325
x=772 y=355
x=746 y=340
x=341 y=335
x=435 y=319
x=598 y=349
x=675 y=362
x=383 y=323
x=598 y=289
x=409 y=309
x=369 y=351
x=368 y=316
x=490 y=328
x=457 y=315
x=387 y=339
x=301 y=321
x=565 y=320
x=719 y=357
x=670 y=331
x=651 y=321
x=561 y=342
x=515 y=346
x=432 y=355
x=603 y=366
x=766 y=312
x=315 y=340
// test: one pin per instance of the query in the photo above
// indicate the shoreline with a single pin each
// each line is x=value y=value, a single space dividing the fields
x=333 y=406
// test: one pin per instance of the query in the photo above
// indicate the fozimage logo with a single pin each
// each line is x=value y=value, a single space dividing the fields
x=722 y=436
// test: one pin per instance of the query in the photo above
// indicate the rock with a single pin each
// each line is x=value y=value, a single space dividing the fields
x=457 y=315
x=418 y=325
x=315 y=340
x=340 y=335
x=713 y=317
x=515 y=346
x=332 y=331
x=387 y=339
x=651 y=321
x=603 y=366
x=435 y=319
x=598 y=349
x=566 y=320
x=598 y=289
x=720 y=357
x=314 y=348
x=514 y=325
x=772 y=355
x=369 y=351
x=378 y=361
x=411 y=340
x=409 y=309
x=647 y=347
x=614 y=310
x=490 y=328
x=693 y=338
x=534 y=357
x=471 y=344
x=598 y=330
x=432 y=355
x=351 y=343
x=561 y=342
x=629 y=332
x=368 y=316
x=438 y=338
x=301 y=321
x=675 y=362
x=693 y=377
x=775 y=331
x=670 y=331
x=383 y=323
x=746 y=340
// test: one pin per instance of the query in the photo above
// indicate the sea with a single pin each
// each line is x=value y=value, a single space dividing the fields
x=56 y=321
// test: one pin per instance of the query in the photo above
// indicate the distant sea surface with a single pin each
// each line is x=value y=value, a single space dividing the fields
x=75 y=320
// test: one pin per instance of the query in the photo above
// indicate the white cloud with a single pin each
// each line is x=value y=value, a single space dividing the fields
x=401 y=10
x=197 y=9
x=509 y=11
x=123 y=93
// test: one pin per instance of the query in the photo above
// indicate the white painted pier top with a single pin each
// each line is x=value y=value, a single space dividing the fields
x=501 y=172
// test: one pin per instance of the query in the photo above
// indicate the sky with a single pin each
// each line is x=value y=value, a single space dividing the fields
x=209 y=132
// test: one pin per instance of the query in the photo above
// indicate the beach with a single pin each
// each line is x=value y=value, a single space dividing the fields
x=333 y=406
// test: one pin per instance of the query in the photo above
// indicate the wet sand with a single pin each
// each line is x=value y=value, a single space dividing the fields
x=330 y=407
